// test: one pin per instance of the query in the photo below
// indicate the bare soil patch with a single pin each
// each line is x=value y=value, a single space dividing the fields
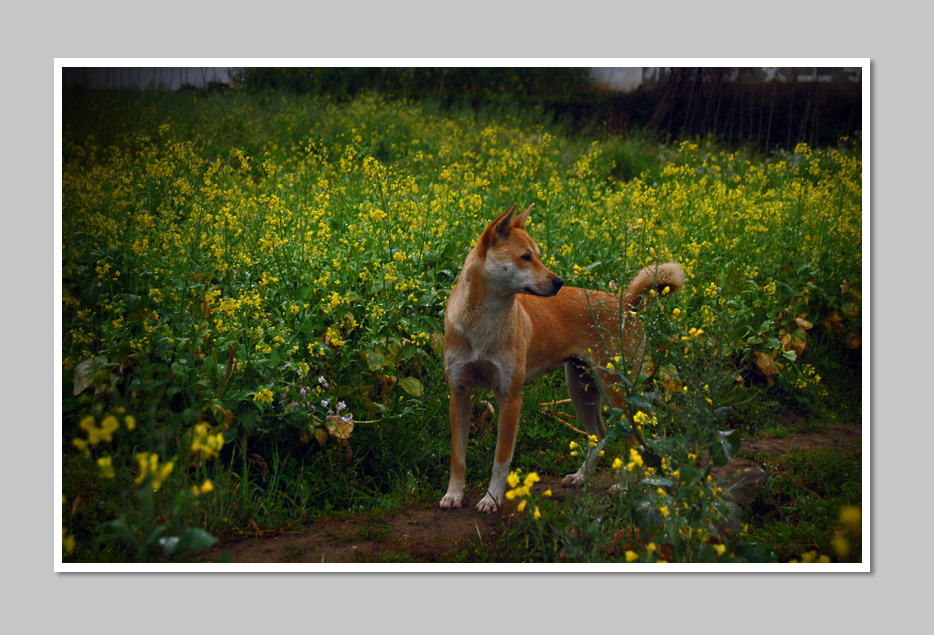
x=424 y=533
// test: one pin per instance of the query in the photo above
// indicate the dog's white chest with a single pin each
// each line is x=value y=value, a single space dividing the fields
x=487 y=368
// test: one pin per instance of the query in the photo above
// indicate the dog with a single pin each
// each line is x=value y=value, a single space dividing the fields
x=509 y=320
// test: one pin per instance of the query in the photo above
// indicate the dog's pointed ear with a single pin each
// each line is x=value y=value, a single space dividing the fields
x=519 y=221
x=497 y=229
x=504 y=222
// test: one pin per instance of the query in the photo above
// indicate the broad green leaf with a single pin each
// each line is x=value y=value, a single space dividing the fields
x=411 y=386
x=194 y=539
x=374 y=360
x=741 y=487
x=84 y=372
x=729 y=443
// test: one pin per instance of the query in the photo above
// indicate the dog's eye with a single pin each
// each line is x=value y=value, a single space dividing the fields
x=527 y=257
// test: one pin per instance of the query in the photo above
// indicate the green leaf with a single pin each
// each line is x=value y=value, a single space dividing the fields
x=753 y=551
x=411 y=386
x=741 y=487
x=122 y=528
x=640 y=402
x=658 y=481
x=249 y=418
x=193 y=539
x=154 y=534
x=84 y=372
x=729 y=443
x=373 y=359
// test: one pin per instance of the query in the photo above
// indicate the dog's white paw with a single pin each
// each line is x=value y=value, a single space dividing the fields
x=576 y=479
x=487 y=504
x=451 y=501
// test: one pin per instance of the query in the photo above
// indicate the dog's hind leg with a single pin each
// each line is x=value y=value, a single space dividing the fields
x=586 y=398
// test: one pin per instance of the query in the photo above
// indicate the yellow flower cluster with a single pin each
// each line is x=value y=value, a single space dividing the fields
x=263 y=395
x=150 y=468
x=101 y=433
x=523 y=491
x=641 y=419
x=205 y=444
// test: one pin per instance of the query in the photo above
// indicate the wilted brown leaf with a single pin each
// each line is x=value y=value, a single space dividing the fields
x=338 y=427
x=668 y=376
x=800 y=321
x=321 y=436
x=833 y=322
x=853 y=340
x=766 y=365
x=799 y=341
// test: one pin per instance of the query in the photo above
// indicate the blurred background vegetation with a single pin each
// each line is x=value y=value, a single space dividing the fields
x=732 y=105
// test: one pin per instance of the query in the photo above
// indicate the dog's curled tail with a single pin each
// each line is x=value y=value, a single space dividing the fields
x=664 y=278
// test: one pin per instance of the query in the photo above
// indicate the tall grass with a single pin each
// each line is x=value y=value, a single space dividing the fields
x=274 y=270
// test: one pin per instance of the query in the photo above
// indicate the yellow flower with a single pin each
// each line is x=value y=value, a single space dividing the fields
x=206 y=444
x=547 y=492
x=130 y=422
x=537 y=513
x=106 y=466
x=631 y=556
x=635 y=459
x=68 y=542
x=204 y=488
x=513 y=479
x=852 y=518
x=149 y=467
x=82 y=445
x=664 y=510
x=263 y=396
x=720 y=549
x=104 y=433
x=841 y=546
x=572 y=444
x=617 y=463
x=521 y=506
x=531 y=479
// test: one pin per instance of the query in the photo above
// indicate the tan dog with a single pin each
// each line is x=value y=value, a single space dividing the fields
x=509 y=320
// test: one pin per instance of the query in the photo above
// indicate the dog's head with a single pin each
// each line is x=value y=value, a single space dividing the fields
x=511 y=259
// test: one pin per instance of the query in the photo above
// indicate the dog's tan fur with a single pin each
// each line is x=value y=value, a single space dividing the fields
x=510 y=320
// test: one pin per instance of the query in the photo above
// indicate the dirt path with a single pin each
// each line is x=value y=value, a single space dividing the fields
x=424 y=533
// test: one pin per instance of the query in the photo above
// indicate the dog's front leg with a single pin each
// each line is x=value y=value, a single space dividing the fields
x=460 y=428
x=510 y=406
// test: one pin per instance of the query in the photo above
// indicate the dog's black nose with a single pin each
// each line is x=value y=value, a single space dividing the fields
x=557 y=282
